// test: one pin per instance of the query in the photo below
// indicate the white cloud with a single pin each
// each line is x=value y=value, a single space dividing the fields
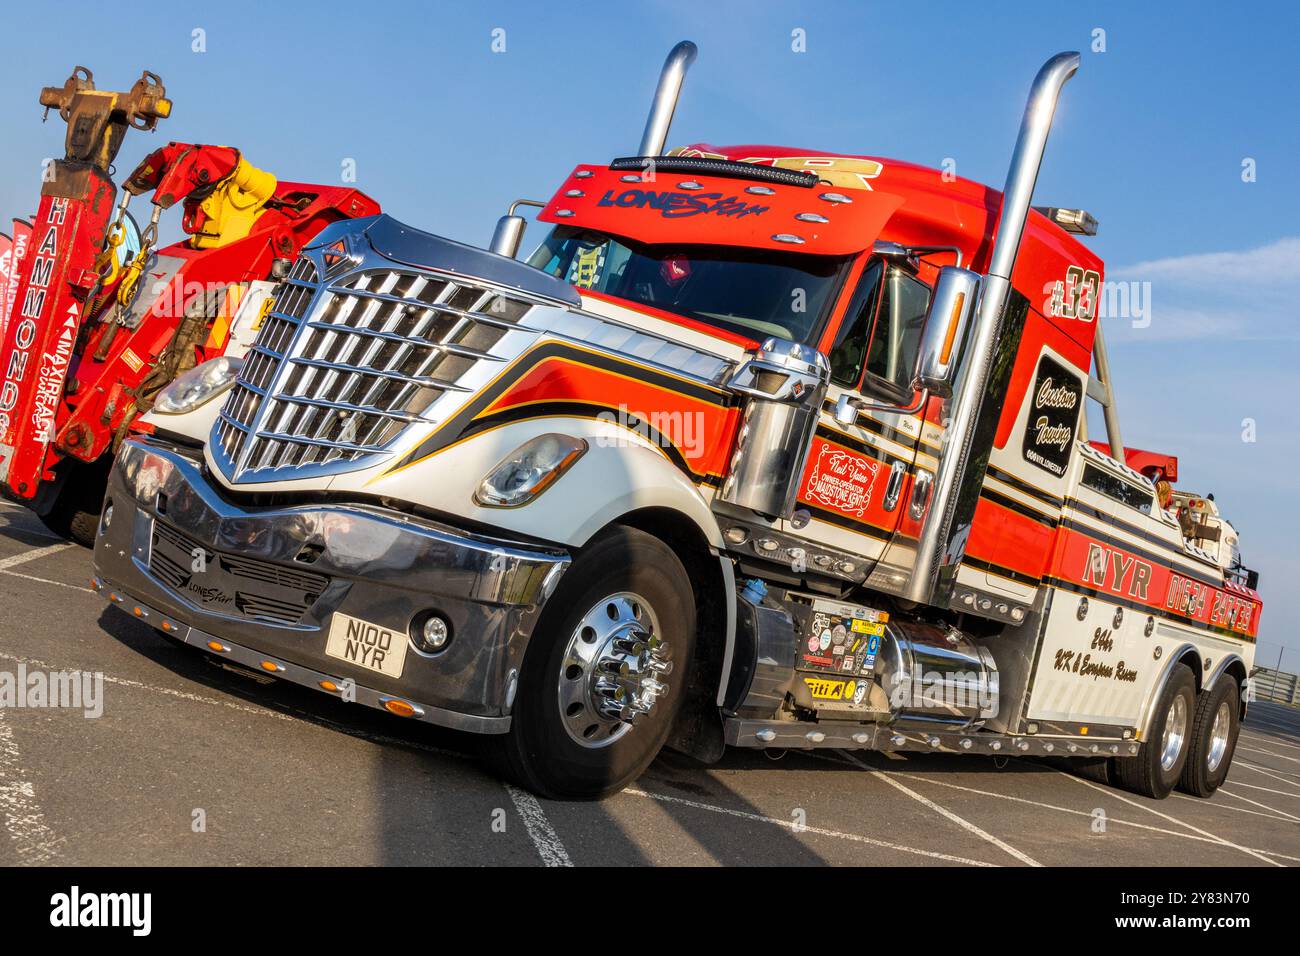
x=1250 y=295
x=1277 y=263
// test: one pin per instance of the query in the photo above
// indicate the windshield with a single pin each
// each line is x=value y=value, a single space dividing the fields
x=755 y=292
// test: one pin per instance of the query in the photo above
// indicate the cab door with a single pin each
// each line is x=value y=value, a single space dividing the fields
x=858 y=481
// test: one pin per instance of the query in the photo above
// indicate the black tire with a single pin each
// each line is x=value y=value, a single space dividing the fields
x=74 y=514
x=1199 y=779
x=83 y=527
x=69 y=520
x=542 y=752
x=1145 y=773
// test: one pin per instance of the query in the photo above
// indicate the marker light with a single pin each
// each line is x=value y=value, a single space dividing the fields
x=400 y=707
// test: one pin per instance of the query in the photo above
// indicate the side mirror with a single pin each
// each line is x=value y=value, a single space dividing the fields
x=952 y=306
x=509 y=231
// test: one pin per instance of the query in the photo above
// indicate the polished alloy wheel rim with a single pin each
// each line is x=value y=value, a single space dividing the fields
x=613 y=669
x=1219 y=737
x=1171 y=744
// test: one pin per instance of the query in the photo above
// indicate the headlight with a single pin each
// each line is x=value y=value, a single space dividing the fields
x=529 y=470
x=199 y=385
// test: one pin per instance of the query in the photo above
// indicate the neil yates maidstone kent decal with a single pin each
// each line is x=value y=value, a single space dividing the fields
x=841 y=480
x=1053 y=416
x=673 y=205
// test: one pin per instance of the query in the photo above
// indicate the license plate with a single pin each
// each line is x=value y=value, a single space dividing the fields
x=365 y=645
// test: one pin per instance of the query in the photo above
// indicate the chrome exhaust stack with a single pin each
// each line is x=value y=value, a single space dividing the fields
x=665 y=102
x=942 y=540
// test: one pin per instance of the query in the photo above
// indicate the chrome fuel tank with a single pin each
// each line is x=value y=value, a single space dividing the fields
x=936 y=674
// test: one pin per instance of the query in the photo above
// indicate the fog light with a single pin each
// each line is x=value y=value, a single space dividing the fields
x=431 y=634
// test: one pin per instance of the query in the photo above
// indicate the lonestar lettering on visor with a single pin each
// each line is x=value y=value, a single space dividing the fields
x=673 y=205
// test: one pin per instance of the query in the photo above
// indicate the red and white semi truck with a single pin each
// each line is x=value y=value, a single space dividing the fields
x=761 y=447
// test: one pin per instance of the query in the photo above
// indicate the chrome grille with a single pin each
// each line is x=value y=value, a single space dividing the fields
x=342 y=365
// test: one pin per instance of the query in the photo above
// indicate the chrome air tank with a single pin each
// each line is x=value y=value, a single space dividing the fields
x=783 y=384
x=934 y=673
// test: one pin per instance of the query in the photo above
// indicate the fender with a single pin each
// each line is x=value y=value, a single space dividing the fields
x=620 y=472
x=1149 y=707
x=1224 y=663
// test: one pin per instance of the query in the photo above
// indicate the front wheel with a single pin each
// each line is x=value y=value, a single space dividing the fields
x=1214 y=738
x=1157 y=767
x=605 y=671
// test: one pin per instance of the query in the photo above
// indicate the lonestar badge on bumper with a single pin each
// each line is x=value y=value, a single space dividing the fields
x=366 y=645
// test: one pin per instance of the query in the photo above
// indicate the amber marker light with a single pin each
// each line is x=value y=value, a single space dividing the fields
x=399 y=707
x=217 y=646
x=329 y=685
x=948 y=340
x=271 y=666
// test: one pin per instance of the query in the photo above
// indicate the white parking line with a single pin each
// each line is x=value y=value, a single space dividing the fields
x=536 y=823
x=943 y=811
x=21 y=813
x=1256 y=803
x=1280 y=793
x=539 y=828
x=1182 y=835
x=1164 y=816
x=32 y=577
x=1269 y=753
x=804 y=828
x=16 y=559
x=1261 y=739
x=1278 y=775
x=1231 y=808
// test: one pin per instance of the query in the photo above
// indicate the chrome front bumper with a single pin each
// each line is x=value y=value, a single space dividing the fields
x=368 y=562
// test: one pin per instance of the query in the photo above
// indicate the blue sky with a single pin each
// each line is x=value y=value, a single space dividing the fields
x=445 y=132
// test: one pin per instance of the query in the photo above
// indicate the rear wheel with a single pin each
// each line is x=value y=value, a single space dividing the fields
x=605 y=670
x=1214 y=738
x=1158 y=765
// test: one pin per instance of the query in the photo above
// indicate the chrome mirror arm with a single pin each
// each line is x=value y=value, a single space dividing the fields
x=848 y=406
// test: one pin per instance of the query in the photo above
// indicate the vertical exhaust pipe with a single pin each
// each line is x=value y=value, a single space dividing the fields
x=955 y=474
x=665 y=102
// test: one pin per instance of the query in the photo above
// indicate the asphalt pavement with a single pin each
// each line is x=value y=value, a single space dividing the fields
x=191 y=764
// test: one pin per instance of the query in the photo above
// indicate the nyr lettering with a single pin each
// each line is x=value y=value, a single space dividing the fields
x=1116 y=571
x=673 y=205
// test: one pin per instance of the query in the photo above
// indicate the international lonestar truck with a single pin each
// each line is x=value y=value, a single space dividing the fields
x=94 y=335
x=763 y=447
